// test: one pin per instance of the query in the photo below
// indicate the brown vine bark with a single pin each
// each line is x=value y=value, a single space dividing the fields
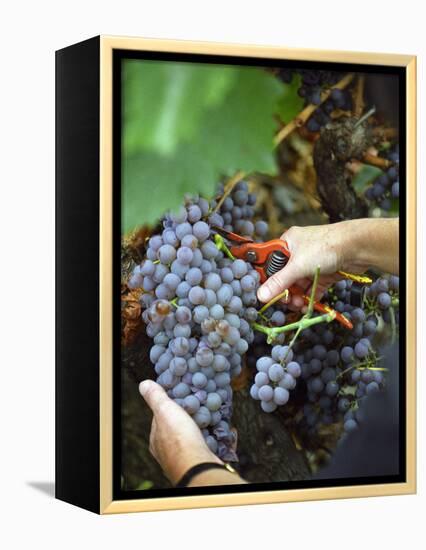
x=265 y=449
x=339 y=142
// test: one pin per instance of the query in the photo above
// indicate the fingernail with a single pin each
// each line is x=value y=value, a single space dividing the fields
x=264 y=294
x=143 y=386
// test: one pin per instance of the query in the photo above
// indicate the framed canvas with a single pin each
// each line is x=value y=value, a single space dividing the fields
x=189 y=176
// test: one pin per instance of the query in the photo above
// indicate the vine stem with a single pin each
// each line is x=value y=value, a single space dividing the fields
x=384 y=133
x=284 y=295
x=359 y=96
x=300 y=119
x=303 y=323
x=229 y=186
x=393 y=324
x=374 y=160
x=313 y=292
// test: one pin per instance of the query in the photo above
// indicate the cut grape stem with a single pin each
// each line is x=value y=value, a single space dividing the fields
x=282 y=296
x=220 y=243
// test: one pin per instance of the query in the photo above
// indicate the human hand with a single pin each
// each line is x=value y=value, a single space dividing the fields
x=326 y=246
x=175 y=440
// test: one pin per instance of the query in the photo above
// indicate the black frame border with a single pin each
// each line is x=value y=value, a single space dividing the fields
x=120 y=55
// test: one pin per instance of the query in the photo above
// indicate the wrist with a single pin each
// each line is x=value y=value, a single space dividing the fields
x=216 y=477
x=353 y=237
x=184 y=462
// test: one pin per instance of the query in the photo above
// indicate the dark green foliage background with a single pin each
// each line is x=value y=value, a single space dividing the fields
x=188 y=125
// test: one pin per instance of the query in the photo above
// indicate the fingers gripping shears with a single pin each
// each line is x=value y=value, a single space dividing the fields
x=270 y=257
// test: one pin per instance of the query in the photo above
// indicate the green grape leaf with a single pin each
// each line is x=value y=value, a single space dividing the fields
x=164 y=102
x=220 y=120
x=364 y=177
x=290 y=103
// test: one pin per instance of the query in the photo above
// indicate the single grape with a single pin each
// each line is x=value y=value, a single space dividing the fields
x=261 y=228
x=181 y=390
x=200 y=313
x=343 y=404
x=194 y=213
x=209 y=250
x=204 y=357
x=191 y=404
x=202 y=417
x=156 y=352
x=268 y=406
x=294 y=369
x=217 y=312
x=395 y=190
x=384 y=300
x=225 y=294
x=239 y=268
x=183 y=289
x=166 y=254
x=254 y=392
x=332 y=388
x=214 y=401
x=275 y=372
x=184 y=255
x=201 y=230
x=178 y=366
x=350 y=425
x=194 y=276
x=179 y=346
x=361 y=350
x=281 y=396
x=287 y=381
x=266 y=393
x=261 y=379
x=263 y=364
x=347 y=354
x=197 y=295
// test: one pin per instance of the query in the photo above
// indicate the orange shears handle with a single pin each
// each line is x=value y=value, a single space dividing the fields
x=262 y=250
x=322 y=308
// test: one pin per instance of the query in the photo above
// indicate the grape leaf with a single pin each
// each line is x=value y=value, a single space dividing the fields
x=290 y=103
x=211 y=129
x=163 y=102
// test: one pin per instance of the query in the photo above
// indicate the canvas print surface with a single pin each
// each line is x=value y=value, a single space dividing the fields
x=259 y=269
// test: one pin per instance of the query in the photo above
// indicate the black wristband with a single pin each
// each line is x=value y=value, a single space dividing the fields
x=204 y=466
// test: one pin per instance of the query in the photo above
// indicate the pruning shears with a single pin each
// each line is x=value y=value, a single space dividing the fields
x=270 y=257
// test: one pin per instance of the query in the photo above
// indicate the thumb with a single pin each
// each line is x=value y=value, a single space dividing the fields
x=280 y=281
x=154 y=395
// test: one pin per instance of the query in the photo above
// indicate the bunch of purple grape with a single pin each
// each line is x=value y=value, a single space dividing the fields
x=313 y=83
x=197 y=306
x=385 y=187
x=276 y=376
x=338 y=367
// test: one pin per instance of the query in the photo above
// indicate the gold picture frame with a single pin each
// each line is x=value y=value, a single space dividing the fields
x=107 y=46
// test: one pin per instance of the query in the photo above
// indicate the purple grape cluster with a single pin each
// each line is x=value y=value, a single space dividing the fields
x=313 y=83
x=385 y=187
x=338 y=367
x=276 y=376
x=197 y=307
